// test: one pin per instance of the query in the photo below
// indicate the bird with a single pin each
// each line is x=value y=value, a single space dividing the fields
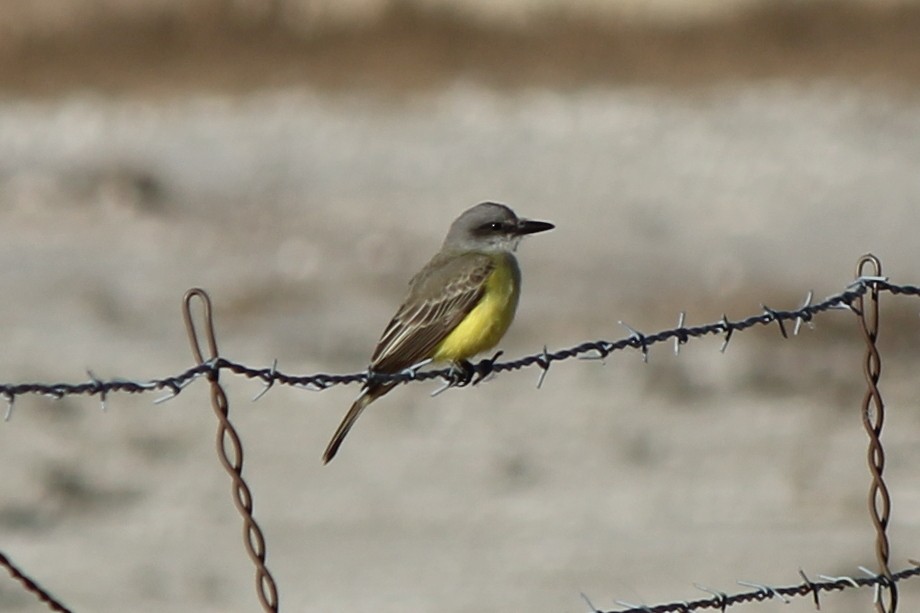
x=459 y=304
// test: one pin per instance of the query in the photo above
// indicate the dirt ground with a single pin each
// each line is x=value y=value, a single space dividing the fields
x=407 y=50
x=710 y=169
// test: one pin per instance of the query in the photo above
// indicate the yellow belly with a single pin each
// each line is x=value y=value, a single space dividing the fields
x=487 y=323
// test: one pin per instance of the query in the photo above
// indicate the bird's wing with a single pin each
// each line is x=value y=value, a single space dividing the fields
x=440 y=296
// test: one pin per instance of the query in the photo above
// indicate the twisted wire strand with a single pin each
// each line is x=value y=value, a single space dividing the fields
x=230 y=452
x=873 y=417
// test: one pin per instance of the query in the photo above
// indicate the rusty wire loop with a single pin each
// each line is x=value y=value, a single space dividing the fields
x=31 y=586
x=231 y=460
x=873 y=417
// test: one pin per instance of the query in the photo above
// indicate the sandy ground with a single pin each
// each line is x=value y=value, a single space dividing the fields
x=304 y=210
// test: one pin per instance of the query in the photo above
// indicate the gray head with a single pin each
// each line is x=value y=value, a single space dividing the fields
x=490 y=227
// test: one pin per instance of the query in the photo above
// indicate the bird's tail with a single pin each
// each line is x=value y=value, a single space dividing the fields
x=367 y=396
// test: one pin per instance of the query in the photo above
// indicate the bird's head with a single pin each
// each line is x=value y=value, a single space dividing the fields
x=491 y=227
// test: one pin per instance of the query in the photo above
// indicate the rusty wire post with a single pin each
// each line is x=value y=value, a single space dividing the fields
x=232 y=461
x=873 y=416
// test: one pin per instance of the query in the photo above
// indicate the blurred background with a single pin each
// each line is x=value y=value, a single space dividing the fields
x=301 y=159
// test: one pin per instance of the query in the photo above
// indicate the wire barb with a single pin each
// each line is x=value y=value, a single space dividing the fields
x=175 y=387
x=98 y=387
x=680 y=335
x=10 y=400
x=543 y=362
x=841 y=579
x=721 y=598
x=603 y=350
x=802 y=318
x=812 y=587
x=637 y=340
x=771 y=315
x=728 y=328
x=589 y=603
x=634 y=607
x=268 y=382
x=765 y=589
x=411 y=371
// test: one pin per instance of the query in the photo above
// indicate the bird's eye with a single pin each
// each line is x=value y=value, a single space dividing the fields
x=495 y=226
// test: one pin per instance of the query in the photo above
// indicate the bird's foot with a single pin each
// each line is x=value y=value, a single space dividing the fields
x=459 y=374
x=485 y=369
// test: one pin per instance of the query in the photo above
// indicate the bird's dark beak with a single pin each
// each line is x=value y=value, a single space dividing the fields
x=530 y=226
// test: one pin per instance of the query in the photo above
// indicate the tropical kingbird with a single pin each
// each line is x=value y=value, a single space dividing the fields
x=459 y=304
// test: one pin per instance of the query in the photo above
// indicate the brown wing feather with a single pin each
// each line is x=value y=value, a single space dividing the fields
x=439 y=298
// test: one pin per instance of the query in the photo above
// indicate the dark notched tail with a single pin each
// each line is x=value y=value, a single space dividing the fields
x=367 y=396
x=349 y=420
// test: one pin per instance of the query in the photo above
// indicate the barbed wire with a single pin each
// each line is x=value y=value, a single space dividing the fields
x=472 y=373
x=860 y=297
x=720 y=601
